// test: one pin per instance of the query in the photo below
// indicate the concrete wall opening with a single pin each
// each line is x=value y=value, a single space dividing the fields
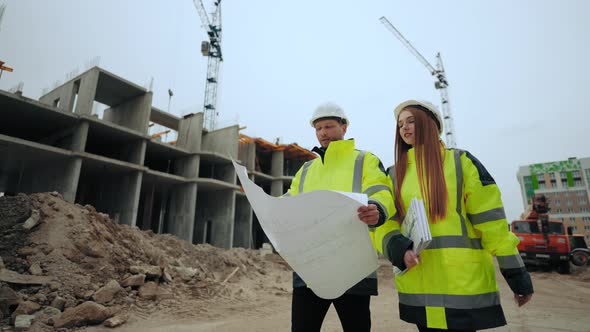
x=219 y=171
x=109 y=142
x=153 y=204
x=76 y=90
x=98 y=109
x=39 y=171
x=36 y=123
x=263 y=161
x=258 y=235
x=291 y=166
x=111 y=189
x=243 y=222
x=162 y=158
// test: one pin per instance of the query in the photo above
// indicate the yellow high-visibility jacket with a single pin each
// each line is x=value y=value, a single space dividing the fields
x=343 y=168
x=454 y=285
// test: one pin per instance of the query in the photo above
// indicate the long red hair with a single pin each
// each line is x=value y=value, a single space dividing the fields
x=429 y=165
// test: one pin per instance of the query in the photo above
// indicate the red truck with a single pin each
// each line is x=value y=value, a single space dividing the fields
x=544 y=241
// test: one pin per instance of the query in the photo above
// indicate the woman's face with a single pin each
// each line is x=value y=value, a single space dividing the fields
x=405 y=124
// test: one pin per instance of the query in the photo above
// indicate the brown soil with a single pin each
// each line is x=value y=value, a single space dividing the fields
x=206 y=288
x=560 y=303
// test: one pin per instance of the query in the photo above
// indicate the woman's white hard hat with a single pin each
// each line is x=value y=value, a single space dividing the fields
x=328 y=110
x=430 y=107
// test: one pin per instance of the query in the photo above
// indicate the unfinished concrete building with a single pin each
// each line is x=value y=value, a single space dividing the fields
x=187 y=187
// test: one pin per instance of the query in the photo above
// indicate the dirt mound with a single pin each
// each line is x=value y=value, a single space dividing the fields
x=14 y=211
x=73 y=259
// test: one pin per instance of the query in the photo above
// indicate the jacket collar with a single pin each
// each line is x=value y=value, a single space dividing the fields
x=335 y=148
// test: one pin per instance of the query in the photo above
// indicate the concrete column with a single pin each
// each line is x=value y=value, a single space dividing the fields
x=183 y=200
x=87 y=92
x=187 y=167
x=133 y=114
x=277 y=163
x=138 y=155
x=128 y=199
x=190 y=130
x=217 y=209
x=71 y=179
x=181 y=211
x=80 y=137
x=276 y=170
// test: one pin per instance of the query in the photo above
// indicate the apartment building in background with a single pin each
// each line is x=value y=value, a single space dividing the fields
x=566 y=184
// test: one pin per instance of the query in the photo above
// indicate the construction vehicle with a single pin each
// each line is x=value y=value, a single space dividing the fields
x=544 y=241
x=580 y=252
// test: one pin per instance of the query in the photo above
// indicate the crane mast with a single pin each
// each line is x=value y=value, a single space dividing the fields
x=212 y=50
x=440 y=83
x=2 y=9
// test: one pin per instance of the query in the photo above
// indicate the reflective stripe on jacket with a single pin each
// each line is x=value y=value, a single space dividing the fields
x=454 y=286
x=343 y=168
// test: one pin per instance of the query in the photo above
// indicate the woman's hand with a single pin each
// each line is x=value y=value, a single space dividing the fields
x=411 y=259
x=522 y=299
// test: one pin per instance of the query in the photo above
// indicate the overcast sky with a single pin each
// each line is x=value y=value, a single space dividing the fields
x=518 y=70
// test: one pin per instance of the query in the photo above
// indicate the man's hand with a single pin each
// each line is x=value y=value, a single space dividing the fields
x=369 y=214
x=522 y=299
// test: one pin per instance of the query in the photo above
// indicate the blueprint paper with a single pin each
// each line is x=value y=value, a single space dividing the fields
x=318 y=234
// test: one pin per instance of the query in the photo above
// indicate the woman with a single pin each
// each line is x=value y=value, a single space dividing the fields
x=452 y=284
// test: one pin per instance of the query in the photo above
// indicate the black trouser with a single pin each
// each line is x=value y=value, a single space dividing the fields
x=426 y=329
x=308 y=311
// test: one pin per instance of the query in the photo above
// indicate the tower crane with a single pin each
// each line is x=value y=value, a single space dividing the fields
x=212 y=50
x=3 y=68
x=440 y=82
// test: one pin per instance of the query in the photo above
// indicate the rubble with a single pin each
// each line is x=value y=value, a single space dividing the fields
x=86 y=313
x=23 y=322
x=115 y=321
x=73 y=266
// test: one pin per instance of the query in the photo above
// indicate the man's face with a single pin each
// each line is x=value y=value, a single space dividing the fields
x=329 y=130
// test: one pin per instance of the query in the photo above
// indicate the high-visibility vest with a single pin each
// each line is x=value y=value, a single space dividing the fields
x=454 y=285
x=343 y=168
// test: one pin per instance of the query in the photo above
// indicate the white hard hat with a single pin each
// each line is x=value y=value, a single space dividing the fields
x=430 y=107
x=328 y=110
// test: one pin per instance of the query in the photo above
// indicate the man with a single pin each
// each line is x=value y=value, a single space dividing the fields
x=342 y=168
